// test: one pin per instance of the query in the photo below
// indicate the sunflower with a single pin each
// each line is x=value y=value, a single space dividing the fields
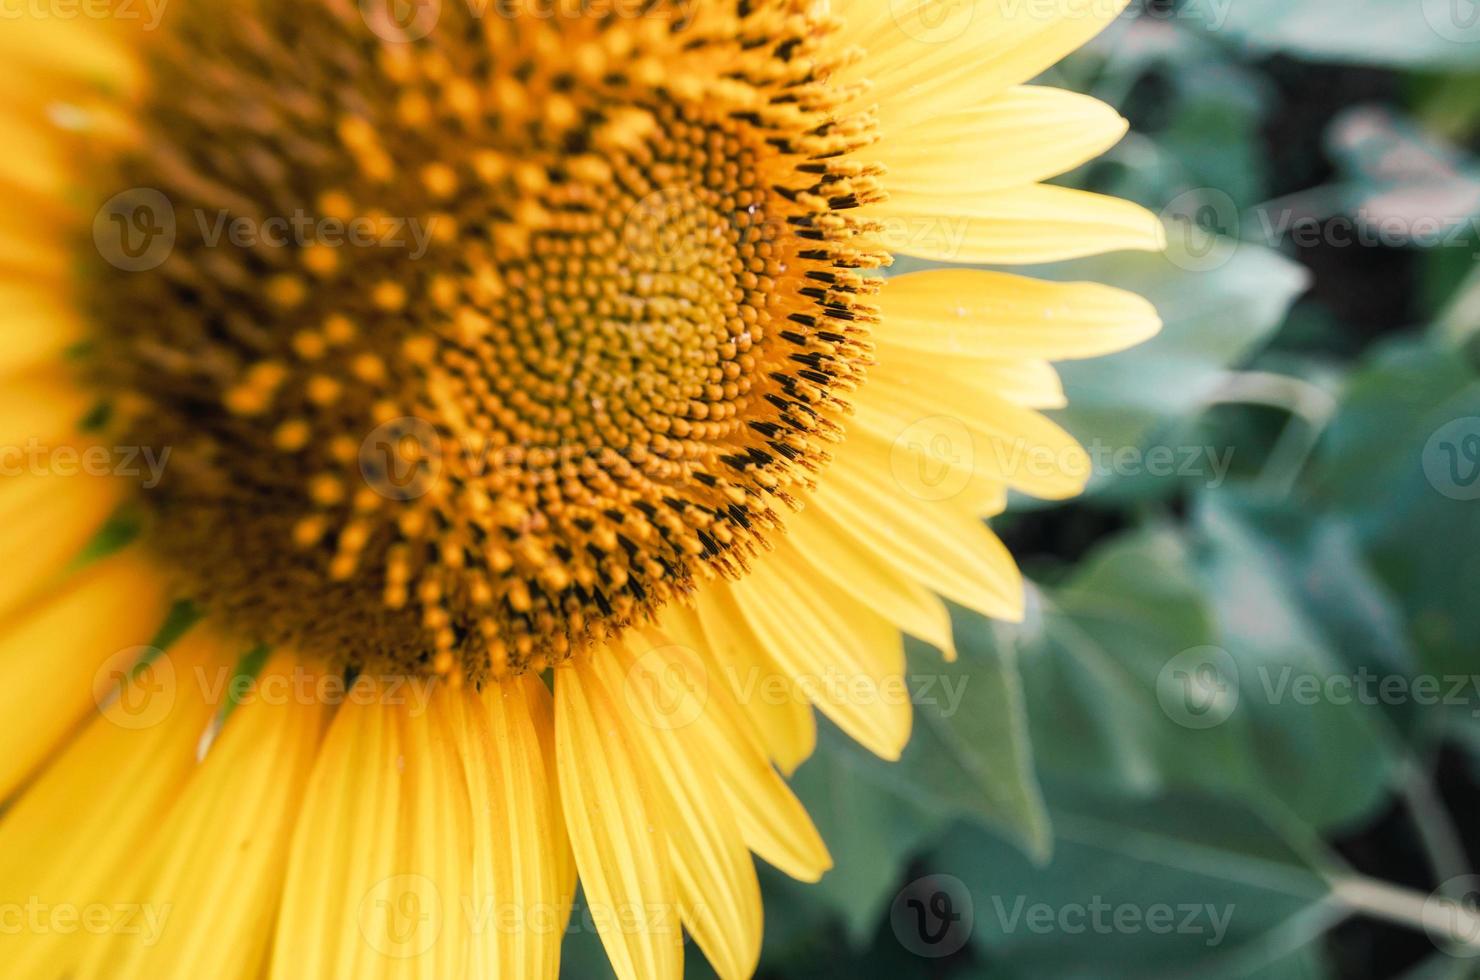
x=449 y=457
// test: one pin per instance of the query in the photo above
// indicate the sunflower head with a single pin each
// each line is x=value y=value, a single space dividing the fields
x=597 y=306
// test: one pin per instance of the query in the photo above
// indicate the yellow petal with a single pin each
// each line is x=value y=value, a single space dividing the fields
x=45 y=523
x=868 y=24
x=72 y=842
x=25 y=257
x=33 y=164
x=626 y=871
x=343 y=847
x=784 y=720
x=40 y=325
x=218 y=862
x=62 y=655
x=987 y=436
x=942 y=54
x=519 y=889
x=381 y=858
x=972 y=313
x=53 y=48
x=436 y=837
x=1022 y=226
x=719 y=897
x=541 y=709
x=772 y=821
x=1030 y=382
x=942 y=548
x=38 y=417
x=934 y=461
x=1023 y=136
x=847 y=565
x=51 y=127
x=847 y=658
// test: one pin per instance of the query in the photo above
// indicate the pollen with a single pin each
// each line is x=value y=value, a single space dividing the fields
x=571 y=311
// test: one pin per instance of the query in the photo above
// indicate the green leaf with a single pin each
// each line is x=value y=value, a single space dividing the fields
x=1459 y=322
x=969 y=757
x=870 y=829
x=796 y=923
x=803 y=940
x=1442 y=966
x=1093 y=662
x=1322 y=751
x=1180 y=884
x=1318 y=561
x=971 y=744
x=1173 y=663
x=1383 y=466
x=970 y=754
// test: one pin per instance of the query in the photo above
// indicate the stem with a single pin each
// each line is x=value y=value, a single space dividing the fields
x=1440 y=839
x=1297 y=396
x=1458 y=926
x=1305 y=402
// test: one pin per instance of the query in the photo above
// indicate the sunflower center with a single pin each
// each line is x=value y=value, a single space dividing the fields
x=477 y=341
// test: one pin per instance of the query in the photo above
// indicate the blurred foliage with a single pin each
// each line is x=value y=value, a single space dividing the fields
x=1299 y=386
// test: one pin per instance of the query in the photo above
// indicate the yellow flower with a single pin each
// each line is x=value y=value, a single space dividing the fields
x=512 y=391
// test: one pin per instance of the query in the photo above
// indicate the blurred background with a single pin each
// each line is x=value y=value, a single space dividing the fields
x=1238 y=735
